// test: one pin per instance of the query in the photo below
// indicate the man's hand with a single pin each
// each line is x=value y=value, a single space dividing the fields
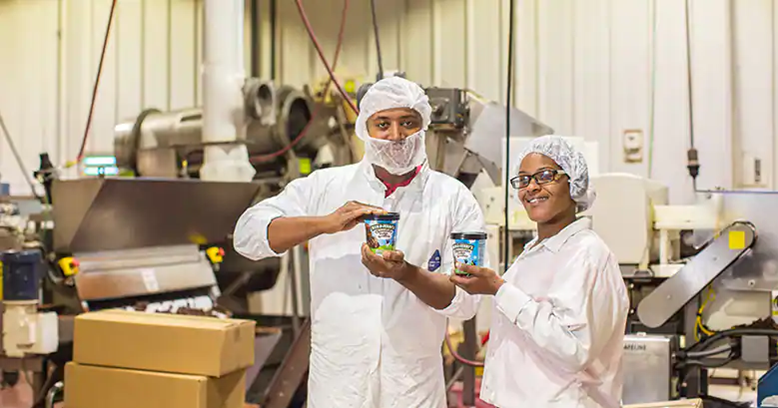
x=348 y=216
x=482 y=281
x=390 y=264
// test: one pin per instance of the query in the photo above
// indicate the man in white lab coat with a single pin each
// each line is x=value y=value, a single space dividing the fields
x=377 y=321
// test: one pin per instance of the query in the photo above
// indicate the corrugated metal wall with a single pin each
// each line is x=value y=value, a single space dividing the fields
x=441 y=42
x=591 y=68
x=50 y=52
x=586 y=67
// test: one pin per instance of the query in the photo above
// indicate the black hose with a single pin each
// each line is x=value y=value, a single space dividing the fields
x=703 y=344
x=273 y=23
x=707 y=353
x=705 y=364
x=377 y=42
x=689 y=74
x=692 y=158
x=508 y=92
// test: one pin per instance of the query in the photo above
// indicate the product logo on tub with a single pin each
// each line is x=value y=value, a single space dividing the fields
x=463 y=249
x=383 y=231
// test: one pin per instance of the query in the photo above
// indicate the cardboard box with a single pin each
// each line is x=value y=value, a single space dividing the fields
x=181 y=344
x=101 y=387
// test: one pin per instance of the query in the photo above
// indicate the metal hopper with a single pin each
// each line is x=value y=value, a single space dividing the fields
x=105 y=214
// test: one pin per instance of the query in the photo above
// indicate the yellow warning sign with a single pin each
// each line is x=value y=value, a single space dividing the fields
x=737 y=239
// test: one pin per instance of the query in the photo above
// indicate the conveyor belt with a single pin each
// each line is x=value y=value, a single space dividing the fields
x=675 y=292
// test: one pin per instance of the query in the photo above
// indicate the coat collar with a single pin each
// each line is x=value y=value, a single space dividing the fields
x=555 y=243
x=417 y=184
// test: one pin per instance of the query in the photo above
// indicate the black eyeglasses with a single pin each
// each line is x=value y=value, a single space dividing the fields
x=542 y=177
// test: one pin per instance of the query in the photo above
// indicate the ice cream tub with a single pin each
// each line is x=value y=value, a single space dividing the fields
x=468 y=249
x=381 y=231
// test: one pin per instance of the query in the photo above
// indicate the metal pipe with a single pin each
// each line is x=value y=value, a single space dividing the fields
x=224 y=116
x=296 y=269
x=52 y=393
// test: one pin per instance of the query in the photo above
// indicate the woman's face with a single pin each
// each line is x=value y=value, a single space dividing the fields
x=550 y=200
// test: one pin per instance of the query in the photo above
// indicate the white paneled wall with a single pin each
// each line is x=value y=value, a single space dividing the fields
x=50 y=51
x=586 y=67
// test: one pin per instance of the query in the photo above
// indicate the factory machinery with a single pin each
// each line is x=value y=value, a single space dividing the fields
x=701 y=279
x=158 y=242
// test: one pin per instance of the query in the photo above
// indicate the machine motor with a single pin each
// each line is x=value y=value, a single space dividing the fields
x=21 y=273
x=25 y=330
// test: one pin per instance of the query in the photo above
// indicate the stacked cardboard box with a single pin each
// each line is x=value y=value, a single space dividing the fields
x=132 y=359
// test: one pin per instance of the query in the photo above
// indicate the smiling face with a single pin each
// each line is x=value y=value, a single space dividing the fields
x=394 y=124
x=550 y=201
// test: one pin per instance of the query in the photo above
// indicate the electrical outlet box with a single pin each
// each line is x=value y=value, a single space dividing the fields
x=633 y=145
x=752 y=171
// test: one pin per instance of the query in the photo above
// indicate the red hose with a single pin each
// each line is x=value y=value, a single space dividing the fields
x=96 y=85
x=458 y=357
x=319 y=51
x=316 y=108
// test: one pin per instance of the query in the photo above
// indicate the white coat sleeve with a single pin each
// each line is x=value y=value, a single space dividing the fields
x=581 y=314
x=468 y=217
x=250 y=235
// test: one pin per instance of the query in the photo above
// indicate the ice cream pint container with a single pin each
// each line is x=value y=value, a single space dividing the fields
x=381 y=231
x=468 y=249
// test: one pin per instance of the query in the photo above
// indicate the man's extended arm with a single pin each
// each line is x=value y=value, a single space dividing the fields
x=285 y=233
x=275 y=225
x=252 y=234
x=468 y=218
x=434 y=289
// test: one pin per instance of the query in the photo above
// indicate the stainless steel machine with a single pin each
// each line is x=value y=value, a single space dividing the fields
x=283 y=124
x=122 y=239
x=150 y=245
x=702 y=280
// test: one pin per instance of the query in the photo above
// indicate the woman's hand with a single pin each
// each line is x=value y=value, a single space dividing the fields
x=482 y=281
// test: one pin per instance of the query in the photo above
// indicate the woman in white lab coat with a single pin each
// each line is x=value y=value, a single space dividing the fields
x=560 y=311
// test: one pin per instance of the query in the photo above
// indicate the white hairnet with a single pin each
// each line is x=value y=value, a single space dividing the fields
x=392 y=93
x=571 y=161
x=397 y=157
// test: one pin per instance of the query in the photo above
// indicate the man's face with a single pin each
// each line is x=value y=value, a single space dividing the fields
x=394 y=124
x=549 y=200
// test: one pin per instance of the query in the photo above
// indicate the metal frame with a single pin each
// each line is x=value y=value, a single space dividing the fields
x=292 y=373
x=671 y=296
x=468 y=350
